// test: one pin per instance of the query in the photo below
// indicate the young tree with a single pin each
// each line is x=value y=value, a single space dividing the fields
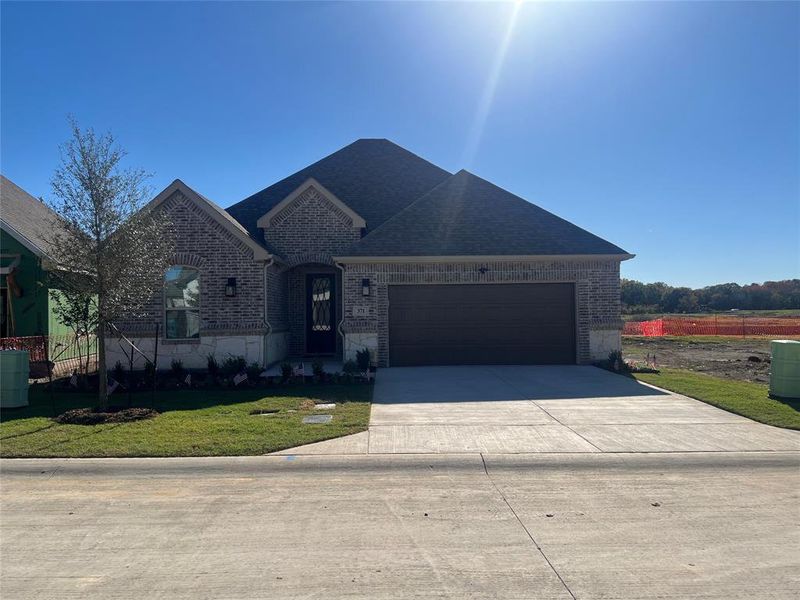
x=109 y=250
x=75 y=309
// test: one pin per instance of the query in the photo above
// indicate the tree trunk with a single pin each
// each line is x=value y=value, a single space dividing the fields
x=101 y=365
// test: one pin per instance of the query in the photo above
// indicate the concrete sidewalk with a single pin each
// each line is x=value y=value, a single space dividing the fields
x=541 y=409
x=549 y=526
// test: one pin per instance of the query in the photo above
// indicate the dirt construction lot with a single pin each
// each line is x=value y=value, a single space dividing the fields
x=745 y=359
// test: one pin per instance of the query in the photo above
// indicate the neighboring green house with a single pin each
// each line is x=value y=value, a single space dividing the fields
x=26 y=300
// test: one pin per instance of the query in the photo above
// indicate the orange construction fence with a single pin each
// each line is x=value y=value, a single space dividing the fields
x=714 y=325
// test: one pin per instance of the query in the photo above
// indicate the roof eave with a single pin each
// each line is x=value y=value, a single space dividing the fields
x=23 y=239
x=481 y=258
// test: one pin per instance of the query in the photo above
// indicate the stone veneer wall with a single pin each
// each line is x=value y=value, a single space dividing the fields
x=204 y=244
x=193 y=355
x=596 y=282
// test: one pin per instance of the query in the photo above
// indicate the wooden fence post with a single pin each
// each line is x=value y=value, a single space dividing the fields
x=46 y=345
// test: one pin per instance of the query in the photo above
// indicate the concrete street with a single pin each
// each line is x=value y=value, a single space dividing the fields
x=701 y=525
x=478 y=482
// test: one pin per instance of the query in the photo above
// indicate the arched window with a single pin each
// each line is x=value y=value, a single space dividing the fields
x=182 y=303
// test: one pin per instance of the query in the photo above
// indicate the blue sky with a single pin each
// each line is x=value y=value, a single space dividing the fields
x=670 y=129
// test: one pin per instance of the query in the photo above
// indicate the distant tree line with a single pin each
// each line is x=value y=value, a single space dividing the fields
x=638 y=297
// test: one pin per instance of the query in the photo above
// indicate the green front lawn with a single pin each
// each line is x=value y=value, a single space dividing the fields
x=741 y=397
x=191 y=423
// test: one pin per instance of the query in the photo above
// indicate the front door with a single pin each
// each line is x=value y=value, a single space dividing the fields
x=320 y=314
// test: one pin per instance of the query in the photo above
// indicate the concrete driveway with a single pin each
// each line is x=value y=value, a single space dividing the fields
x=532 y=409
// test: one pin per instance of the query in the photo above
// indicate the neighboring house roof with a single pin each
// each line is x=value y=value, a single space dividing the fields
x=26 y=218
x=215 y=211
x=374 y=177
x=469 y=216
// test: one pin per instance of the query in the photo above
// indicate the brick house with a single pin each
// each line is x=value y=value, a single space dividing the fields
x=374 y=247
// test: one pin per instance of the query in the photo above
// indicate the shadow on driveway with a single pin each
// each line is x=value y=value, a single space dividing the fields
x=497 y=383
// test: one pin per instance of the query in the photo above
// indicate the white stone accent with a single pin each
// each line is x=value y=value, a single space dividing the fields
x=277 y=346
x=602 y=342
x=194 y=355
x=353 y=342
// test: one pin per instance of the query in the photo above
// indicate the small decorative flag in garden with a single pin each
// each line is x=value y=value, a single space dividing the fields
x=73 y=381
x=113 y=384
x=237 y=379
x=188 y=380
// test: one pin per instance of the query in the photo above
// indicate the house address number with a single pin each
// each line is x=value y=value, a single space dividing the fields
x=361 y=311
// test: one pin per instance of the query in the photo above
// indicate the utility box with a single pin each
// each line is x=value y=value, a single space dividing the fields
x=13 y=378
x=784 y=376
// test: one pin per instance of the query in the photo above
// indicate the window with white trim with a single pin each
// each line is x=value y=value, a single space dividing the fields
x=182 y=303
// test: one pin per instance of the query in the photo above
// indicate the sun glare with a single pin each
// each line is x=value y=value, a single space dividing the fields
x=487 y=97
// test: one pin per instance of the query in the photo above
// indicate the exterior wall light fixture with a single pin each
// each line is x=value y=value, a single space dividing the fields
x=230 y=287
x=365 y=287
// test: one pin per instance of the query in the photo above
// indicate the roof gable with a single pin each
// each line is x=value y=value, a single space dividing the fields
x=375 y=178
x=310 y=183
x=29 y=220
x=469 y=216
x=215 y=211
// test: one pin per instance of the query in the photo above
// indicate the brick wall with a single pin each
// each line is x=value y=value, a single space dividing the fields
x=597 y=288
x=277 y=298
x=217 y=254
x=311 y=225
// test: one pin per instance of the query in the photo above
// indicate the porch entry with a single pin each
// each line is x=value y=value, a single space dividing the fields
x=321 y=313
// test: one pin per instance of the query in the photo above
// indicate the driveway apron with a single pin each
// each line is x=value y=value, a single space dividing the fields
x=542 y=409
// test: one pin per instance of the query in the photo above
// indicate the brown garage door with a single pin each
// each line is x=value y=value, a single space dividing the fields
x=508 y=324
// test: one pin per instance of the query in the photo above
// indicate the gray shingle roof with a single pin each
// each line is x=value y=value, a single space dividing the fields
x=466 y=215
x=374 y=177
x=28 y=216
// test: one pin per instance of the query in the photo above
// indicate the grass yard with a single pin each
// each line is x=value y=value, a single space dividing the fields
x=191 y=423
x=741 y=397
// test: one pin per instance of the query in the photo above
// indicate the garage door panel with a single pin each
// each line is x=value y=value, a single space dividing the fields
x=496 y=315
x=482 y=324
x=501 y=334
x=487 y=355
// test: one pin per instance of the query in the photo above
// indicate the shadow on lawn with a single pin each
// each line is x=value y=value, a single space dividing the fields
x=41 y=404
x=790 y=402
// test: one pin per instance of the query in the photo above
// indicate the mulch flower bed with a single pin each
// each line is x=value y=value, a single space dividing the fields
x=91 y=416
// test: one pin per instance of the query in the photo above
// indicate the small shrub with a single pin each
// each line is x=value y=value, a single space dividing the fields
x=350 y=367
x=363 y=360
x=149 y=370
x=88 y=416
x=635 y=367
x=177 y=368
x=254 y=372
x=318 y=368
x=212 y=366
x=233 y=365
x=119 y=372
x=616 y=363
x=287 y=370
